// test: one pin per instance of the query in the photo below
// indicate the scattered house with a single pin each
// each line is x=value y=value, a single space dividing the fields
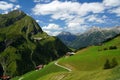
x=5 y=77
x=70 y=53
x=37 y=39
x=39 y=67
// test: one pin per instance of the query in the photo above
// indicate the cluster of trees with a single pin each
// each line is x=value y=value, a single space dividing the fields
x=112 y=47
x=112 y=64
x=109 y=48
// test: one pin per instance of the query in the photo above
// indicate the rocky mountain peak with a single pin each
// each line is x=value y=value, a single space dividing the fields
x=65 y=33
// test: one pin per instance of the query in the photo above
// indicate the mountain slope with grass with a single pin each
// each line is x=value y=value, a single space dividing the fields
x=92 y=63
x=23 y=44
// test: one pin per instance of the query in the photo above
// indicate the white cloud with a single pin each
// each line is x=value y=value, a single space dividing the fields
x=76 y=15
x=111 y=3
x=16 y=7
x=52 y=33
x=5 y=6
x=52 y=29
x=76 y=19
x=116 y=11
x=91 y=7
x=70 y=12
x=65 y=9
x=37 y=1
x=37 y=21
x=13 y=0
x=96 y=19
x=5 y=12
x=75 y=27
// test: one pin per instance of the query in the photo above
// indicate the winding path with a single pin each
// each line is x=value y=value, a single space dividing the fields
x=56 y=63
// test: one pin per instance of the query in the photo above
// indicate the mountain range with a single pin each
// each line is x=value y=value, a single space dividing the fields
x=24 y=45
x=94 y=36
x=66 y=37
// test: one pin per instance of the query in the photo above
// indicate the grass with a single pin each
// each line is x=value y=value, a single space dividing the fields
x=112 y=74
x=34 y=75
x=90 y=61
x=91 y=58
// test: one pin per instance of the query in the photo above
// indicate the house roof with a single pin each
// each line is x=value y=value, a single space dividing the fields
x=70 y=53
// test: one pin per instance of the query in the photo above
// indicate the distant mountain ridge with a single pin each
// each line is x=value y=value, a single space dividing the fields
x=93 y=36
x=24 y=45
x=66 y=37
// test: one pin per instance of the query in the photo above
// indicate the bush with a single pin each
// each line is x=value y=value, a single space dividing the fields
x=112 y=47
x=114 y=63
x=107 y=64
x=105 y=49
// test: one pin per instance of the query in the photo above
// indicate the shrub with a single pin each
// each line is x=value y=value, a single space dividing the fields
x=107 y=64
x=114 y=63
x=105 y=49
x=112 y=47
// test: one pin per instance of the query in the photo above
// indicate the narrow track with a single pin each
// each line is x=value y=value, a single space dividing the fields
x=56 y=63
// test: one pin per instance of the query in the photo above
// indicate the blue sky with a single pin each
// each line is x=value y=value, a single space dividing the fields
x=75 y=16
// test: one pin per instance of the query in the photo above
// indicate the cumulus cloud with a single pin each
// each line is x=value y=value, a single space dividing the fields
x=37 y=1
x=96 y=18
x=116 y=11
x=52 y=29
x=13 y=0
x=76 y=15
x=16 y=7
x=70 y=12
x=5 y=6
x=111 y=3
x=76 y=27
x=37 y=21
x=66 y=9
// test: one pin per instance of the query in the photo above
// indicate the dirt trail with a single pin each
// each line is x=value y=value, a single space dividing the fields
x=56 y=63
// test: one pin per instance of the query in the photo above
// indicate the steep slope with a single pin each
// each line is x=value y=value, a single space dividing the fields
x=66 y=37
x=94 y=36
x=23 y=44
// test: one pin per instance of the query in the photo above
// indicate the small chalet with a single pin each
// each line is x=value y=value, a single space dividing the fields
x=37 y=39
x=39 y=67
x=5 y=77
x=70 y=53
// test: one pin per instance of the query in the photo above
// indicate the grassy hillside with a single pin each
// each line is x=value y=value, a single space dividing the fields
x=89 y=63
x=36 y=74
